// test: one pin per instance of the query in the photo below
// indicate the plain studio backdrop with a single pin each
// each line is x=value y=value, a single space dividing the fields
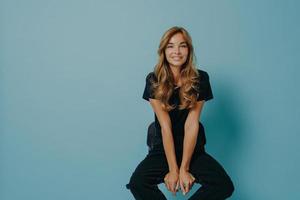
x=73 y=123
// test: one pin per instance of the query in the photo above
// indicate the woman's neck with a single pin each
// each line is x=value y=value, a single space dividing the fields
x=176 y=75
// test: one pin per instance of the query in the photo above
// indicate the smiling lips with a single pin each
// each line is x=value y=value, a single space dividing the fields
x=176 y=58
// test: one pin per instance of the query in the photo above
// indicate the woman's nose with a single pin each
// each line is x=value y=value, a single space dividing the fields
x=176 y=50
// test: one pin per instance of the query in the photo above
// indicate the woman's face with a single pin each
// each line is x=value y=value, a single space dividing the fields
x=176 y=50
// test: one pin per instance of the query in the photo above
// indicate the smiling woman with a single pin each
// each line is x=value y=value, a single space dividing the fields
x=177 y=90
x=176 y=51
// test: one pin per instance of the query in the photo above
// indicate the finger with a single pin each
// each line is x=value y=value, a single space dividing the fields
x=193 y=177
x=171 y=187
x=186 y=187
x=166 y=178
x=167 y=185
x=167 y=182
x=177 y=186
x=181 y=186
x=174 y=188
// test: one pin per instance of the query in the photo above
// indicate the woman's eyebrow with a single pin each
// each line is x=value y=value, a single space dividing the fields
x=179 y=43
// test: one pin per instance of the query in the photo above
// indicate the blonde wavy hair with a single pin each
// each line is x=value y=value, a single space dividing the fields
x=163 y=86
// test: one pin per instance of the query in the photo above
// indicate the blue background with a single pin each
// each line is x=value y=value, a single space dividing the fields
x=72 y=119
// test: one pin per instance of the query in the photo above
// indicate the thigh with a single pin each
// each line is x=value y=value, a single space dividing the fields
x=152 y=169
x=207 y=170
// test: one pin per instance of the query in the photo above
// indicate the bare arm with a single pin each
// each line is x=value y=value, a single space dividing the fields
x=191 y=128
x=166 y=129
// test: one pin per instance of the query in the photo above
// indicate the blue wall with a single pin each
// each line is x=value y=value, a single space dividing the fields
x=72 y=118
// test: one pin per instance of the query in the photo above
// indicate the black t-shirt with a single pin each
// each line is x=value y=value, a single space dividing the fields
x=178 y=117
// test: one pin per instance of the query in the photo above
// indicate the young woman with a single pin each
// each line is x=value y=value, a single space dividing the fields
x=177 y=90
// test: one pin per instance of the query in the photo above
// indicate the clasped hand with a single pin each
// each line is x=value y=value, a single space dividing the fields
x=184 y=179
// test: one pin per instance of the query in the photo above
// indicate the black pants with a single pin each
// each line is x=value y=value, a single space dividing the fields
x=215 y=183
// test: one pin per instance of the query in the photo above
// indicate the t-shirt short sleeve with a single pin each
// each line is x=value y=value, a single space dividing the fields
x=148 y=91
x=204 y=88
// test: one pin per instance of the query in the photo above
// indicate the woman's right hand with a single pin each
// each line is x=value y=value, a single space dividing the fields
x=172 y=181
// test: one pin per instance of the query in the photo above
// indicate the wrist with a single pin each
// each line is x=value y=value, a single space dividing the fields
x=174 y=170
x=184 y=169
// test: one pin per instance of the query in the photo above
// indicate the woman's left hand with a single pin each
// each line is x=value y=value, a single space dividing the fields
x=186 y=181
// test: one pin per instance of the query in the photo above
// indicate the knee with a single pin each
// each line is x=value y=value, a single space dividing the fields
x=227 y=188
x=136 y=181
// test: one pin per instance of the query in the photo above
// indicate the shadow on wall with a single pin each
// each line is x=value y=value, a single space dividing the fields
x=227 y=123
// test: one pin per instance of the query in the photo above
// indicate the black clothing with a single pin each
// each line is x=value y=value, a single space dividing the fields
x=215 y=183
x=178 y=117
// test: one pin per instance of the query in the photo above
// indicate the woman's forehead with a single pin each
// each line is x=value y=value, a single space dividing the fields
x=177 y=38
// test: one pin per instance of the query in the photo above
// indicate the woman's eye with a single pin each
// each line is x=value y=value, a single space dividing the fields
x=184 y=46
